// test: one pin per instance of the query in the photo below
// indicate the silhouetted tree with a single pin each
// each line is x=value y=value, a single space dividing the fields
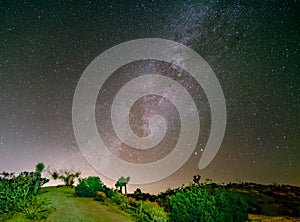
x=67 y=176
x=196 y=179
x=54 y=175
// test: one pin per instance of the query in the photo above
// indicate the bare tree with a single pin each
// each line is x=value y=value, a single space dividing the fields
x=67 y=176
x=196 y=179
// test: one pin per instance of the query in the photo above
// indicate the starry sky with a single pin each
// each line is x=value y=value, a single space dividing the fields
x=252 y=47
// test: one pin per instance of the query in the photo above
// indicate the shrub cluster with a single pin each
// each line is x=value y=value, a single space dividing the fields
x=197 y=202
x=205 y=203
x=150 y=211
x=120 y=199
x=191 y=203
x=17 y=193
x=89 y=187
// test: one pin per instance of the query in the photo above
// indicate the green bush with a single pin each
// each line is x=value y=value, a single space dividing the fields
x=37 y=209
x=120 y=199
x=100 y=196
x=150 y=211
x=17 y=193
x=88 y=187
x=207 y=204
x=108 y=192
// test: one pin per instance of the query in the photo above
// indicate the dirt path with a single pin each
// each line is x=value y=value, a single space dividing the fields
x=70 y=208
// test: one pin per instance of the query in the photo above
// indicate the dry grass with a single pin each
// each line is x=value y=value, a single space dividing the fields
x=262 y=218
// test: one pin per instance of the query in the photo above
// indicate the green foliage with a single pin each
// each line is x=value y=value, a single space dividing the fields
x=18 y=192
x=35 y=210
x=108 y=192
x=142 y=211
x=207 y=204
x=100 y=196
x=88 y=187
x=120 y=199
x=140 y=215
x=122 y=182
x=150 y=211
x=39 y=167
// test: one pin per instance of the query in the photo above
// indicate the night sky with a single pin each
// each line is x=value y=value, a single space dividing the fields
x=253 y=47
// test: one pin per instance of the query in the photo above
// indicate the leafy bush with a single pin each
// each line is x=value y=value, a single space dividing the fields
x=18 y=192
x=207 y=204
x=150 y=211
x=88 y=187
x=132 y=202
x=108 y=192
x=121 y=200
x=36 y=210
x=100 y=196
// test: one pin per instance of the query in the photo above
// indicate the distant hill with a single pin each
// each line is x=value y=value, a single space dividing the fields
x=273 y=200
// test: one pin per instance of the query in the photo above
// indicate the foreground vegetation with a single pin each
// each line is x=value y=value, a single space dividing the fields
x=18 y=193
x=22 y=199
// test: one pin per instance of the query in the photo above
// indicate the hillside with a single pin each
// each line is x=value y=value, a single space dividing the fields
x=267 y=203
x=65 y=207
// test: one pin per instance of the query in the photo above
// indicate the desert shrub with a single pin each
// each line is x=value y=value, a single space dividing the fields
x=132 y=201
x=36 y=209
x=150 y=211
x=120 y=199
x=108 y=192
x=207 y=204
x=100 y=196
x=88 y=187
x=138 y=195
x=68 y=176
x=139 y=213
x=117 y=197
x=164 y=202
x=17 y=193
